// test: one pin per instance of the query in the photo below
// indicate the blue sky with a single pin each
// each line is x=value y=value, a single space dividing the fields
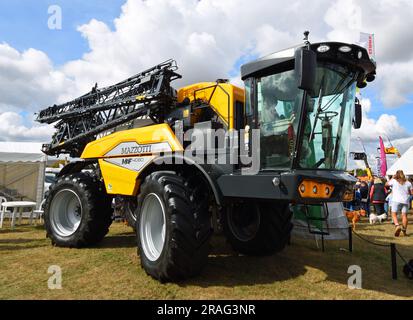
x=23 y=25
x=403 y=113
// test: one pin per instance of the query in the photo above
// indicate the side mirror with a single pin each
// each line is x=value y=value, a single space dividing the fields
x=305 y=68
x=357 y=120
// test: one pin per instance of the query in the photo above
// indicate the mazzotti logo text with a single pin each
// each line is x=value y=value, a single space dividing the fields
x=136 y=150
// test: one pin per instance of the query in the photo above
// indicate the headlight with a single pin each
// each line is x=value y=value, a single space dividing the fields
x=323 y=48
x=345 y=49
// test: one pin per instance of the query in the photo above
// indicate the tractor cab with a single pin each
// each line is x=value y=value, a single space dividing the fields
x=303 y=101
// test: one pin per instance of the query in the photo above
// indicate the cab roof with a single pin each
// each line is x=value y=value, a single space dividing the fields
x=355 y=56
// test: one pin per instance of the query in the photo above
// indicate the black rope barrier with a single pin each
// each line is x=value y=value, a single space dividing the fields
x=371 y=242
x=393 y=249
x=404 y=260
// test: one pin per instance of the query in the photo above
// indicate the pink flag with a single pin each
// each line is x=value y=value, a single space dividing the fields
x=383 y=162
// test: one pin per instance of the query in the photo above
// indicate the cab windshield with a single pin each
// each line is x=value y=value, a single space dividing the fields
x=327 y=130
x=327 y=123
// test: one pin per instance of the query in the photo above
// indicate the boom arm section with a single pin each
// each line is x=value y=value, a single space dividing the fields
x=79 y=122
x=363 y=157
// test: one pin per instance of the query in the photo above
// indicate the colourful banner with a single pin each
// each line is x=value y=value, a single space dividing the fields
x=383 y=161
x=367 y=41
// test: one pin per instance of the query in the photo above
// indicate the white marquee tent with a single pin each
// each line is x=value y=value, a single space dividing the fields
x=22 y=167
x=405 y=163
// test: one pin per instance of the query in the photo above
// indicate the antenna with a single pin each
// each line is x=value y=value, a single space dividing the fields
x=306 y=34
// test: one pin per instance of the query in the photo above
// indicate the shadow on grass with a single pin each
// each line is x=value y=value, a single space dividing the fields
x=21 y=228
x=16 y=241
x=21 y=248
x=10 y=231
x=21 y=244
x=126 y=240
x=227 y=269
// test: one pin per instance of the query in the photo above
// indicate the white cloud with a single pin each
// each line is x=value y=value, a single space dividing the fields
x=396 y=83
x=207 y=37
x=345 y=19
x=28 y=79
x=403 y=144
x=387 y=126
x=13 y=128
x=391 y=22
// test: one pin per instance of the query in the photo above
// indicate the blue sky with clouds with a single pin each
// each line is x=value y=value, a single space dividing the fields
x=403 y=113
x=23 y=25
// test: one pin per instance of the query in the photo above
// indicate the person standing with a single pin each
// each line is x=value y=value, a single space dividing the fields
x=411 y=196
x=401 y=191
x=378 y=194
x=364 y=193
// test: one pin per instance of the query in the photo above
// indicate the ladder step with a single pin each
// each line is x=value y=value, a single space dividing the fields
x=323 y=218
x=317 y=219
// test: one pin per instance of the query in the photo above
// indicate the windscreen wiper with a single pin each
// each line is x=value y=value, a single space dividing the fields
x=319 y=109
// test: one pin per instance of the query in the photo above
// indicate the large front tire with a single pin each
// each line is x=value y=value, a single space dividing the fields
x=78 y=212
x=257 y=229
x=173 y=226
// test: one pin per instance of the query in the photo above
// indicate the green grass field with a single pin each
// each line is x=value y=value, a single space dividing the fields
x=112 y=271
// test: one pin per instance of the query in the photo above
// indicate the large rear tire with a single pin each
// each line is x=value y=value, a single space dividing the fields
x=173 y=226
x=78 y=212
x=257 y=229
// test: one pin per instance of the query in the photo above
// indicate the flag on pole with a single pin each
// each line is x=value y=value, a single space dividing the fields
x=367 y=41
x=383 y=162
x=378 y=166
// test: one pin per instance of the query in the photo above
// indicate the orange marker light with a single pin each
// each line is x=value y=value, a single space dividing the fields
x=314 y=189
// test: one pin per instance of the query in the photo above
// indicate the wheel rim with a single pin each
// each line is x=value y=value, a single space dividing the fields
x=66 y=213
x=152 y=226
x=244 y=222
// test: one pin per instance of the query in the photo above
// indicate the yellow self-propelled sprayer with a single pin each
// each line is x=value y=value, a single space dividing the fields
x=295 y=116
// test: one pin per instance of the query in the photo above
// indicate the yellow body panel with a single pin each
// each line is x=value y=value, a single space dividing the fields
x=119 y=180
x=220 y=95
x=123 y=155
x=145 y=135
